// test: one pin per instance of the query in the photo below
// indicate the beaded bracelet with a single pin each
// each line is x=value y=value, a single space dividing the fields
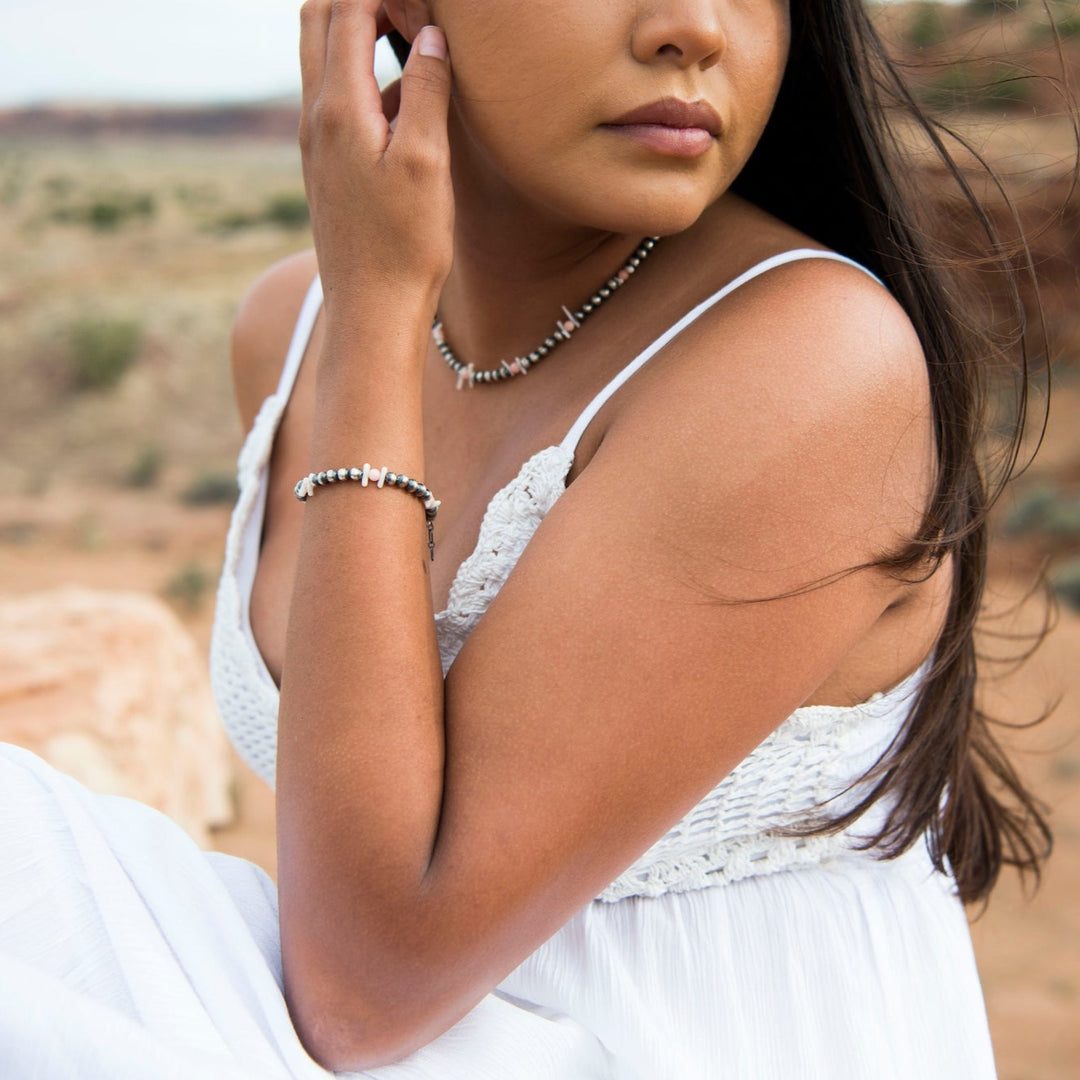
x=305 y=488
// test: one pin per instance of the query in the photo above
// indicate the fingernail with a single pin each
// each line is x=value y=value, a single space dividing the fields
x=431 y=42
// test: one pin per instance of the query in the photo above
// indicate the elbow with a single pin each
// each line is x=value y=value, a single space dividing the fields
x=350 y=1050
x=350 y=1030
x=374 y=996
x=353 y=1039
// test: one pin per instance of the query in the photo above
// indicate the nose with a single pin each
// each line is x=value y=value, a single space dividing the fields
x=683 y=32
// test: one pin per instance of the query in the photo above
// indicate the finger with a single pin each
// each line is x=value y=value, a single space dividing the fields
x=350 y=63
x=314 y=23
x=425 y=92
x=383 y=25
x=391 y=99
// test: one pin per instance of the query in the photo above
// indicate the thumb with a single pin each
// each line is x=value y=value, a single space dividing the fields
x=425 y=91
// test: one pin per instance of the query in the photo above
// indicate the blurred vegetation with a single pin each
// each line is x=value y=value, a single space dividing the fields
x=146 y=469
x=1044 y=510
x=927 y=27
x=13 y=182
x=1066 y=582
x=189 y=587
x=985 y=9
x=106 y=211
x=101 y=350
x=977 y=87
x=175 y=229
x=287 y=211
x=210 y=488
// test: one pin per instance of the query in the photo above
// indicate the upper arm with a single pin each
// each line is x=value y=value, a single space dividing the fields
x=658 y=625
x=263 y=328
x=618 y=677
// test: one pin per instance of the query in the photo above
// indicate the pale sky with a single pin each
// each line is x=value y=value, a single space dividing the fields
x=147 y=50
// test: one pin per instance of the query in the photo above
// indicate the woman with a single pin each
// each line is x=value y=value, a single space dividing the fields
x=705 y=655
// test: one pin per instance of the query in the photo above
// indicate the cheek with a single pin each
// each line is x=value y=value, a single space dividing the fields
x=754 y=73
x=526 y=77
x=767 y=53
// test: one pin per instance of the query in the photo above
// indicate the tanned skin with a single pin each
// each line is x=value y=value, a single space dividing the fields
x=433 y=834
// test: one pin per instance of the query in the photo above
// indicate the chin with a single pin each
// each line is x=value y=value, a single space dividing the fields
x=646 y=211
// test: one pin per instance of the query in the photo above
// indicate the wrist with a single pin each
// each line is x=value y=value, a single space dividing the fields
x=366 y=305
x=388 y=338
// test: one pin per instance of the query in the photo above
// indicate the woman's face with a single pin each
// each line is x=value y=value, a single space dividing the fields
x=539 y=83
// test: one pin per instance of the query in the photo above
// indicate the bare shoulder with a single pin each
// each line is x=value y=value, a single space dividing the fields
x=832 y=340
x=801 y=403
x=263 y=327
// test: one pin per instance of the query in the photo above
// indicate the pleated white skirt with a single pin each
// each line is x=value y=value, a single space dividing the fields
x=126 y=953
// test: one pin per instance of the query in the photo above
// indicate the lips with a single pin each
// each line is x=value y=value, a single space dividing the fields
x=673 y=113
x=670 y=127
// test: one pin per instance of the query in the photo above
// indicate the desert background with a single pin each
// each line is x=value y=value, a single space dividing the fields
x=129 y=233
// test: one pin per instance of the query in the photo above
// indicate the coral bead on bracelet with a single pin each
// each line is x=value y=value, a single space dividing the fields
x=380 y=477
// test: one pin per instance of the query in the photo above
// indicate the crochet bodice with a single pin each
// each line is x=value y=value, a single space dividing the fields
x=815 y=757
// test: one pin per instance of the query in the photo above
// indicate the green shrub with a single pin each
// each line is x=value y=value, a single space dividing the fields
x=1006 y=86
x=927 y=28
x=962 y=87
x=104 y=214
x=211 y=489
x=189 y=586
x=101 y=351
x=288 y=211
x=987 y=8
x=1063 y=522
x=1047 y=511
x=1066 y=582
x=146 y=469
x=1030 y=510
x=107 y=211
x=1069 y=26
x=235 y=220
x=949 y=90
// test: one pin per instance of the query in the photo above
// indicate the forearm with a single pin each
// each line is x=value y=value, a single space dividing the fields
x=361 y=738
x=361 y=731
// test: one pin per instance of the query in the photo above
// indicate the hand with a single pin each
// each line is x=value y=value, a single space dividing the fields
x=381 y=198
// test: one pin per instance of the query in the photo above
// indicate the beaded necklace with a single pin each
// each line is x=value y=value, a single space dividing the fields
x=469 y=375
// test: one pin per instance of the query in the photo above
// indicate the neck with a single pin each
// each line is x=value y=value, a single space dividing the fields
x=515 y=265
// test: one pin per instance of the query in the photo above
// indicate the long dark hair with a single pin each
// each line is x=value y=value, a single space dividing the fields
x=946 y=776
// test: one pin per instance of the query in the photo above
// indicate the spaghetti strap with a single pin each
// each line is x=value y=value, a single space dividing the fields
x=305 y=324
x=573 y=436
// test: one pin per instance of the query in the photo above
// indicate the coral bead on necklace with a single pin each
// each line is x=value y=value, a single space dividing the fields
x=565 y=326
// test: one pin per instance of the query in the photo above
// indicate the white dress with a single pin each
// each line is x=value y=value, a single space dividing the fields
x=723 y=953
